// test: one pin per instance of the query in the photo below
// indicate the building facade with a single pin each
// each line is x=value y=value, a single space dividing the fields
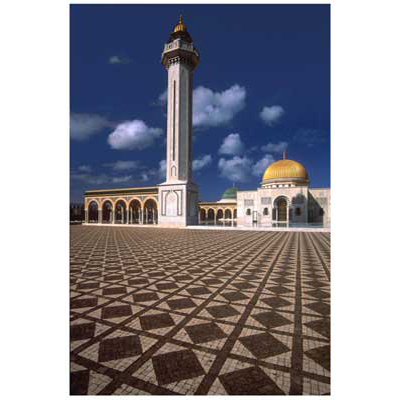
x=283 y=198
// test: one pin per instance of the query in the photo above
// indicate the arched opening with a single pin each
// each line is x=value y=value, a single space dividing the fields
x=135 y=210
x=220 y=214
x=235 y=213
x=210 y=215
x=228 y=214
x=93 y=212
x=107 y=212
x=248 y=211
x=282 y=207
x=150 y=215
x=120 y=212
x=202 y=214
x=265 y=211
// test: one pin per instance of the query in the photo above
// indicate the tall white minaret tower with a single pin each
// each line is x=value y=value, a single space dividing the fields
x=178 y=195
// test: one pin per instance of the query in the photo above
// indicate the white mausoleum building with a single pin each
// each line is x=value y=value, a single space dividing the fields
x=283 y=198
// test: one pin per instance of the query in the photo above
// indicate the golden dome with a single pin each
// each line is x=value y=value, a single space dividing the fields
x=180 y=27
x=285 y=170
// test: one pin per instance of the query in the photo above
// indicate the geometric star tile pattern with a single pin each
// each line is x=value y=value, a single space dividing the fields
x=199 y=312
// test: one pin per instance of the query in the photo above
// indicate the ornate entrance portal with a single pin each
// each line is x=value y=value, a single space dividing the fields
x=282 y=206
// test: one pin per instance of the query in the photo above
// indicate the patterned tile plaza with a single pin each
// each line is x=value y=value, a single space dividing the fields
x=174 y=311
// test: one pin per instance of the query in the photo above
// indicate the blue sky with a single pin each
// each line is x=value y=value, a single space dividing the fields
x=262 y=85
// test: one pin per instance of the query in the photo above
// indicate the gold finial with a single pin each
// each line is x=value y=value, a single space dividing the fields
x=179 y=26
x=284 y=155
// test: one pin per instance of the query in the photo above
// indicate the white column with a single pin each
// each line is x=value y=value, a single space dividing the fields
x=86 y=215
x=113 y=216
x=100 y=216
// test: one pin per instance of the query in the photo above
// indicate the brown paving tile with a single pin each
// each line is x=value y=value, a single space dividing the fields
x=143 y=297
x=176 y=366
x=276 y=302
x=116 y=311
x=279 y=289
x=320 y=307
x=321 y=326
x=205 y=332
x=243 y=285
x=89 y=285
x=166 y=286
x=119 y=347
x=113 y=278
x=235 y=296
x=222 y=311
x=264 y=345
x=156 y=321
x=179 y=304
x=212 y=281
x=114 y=290
x=180 y=278
x=196 y=291
x=79 y=381
x=318 y=293
x=82 y=331
x=83 y=303
x=321 y=355
x=271 y=319
x=249 y=381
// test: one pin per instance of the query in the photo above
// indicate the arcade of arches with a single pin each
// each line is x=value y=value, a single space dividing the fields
x=131 y=208
x=213 y=213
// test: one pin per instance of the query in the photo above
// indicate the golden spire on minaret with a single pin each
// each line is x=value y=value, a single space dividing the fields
x=180 y=27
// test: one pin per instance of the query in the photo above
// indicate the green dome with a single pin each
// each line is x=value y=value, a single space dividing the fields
x=230 y=193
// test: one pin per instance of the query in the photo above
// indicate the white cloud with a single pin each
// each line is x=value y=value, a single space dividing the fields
x=275 y=147
x=85 y=168
x=101 y=179
x=260 y=166
x=216 y=108
x=271 y=115
x=121 y=179
x=119 y=60
x=213 y=108
x=162 y=98
x=82 y=126
x=237 y=169
x=132 y=135
x=201 y=162
x=91 y=179
x=232 y=145
x=162 y=169
x=122 y=165
x=144 y=177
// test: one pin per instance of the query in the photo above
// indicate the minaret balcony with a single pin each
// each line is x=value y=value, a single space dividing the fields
x=179 y=48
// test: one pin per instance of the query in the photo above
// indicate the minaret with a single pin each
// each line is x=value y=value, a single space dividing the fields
x=178 y=195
